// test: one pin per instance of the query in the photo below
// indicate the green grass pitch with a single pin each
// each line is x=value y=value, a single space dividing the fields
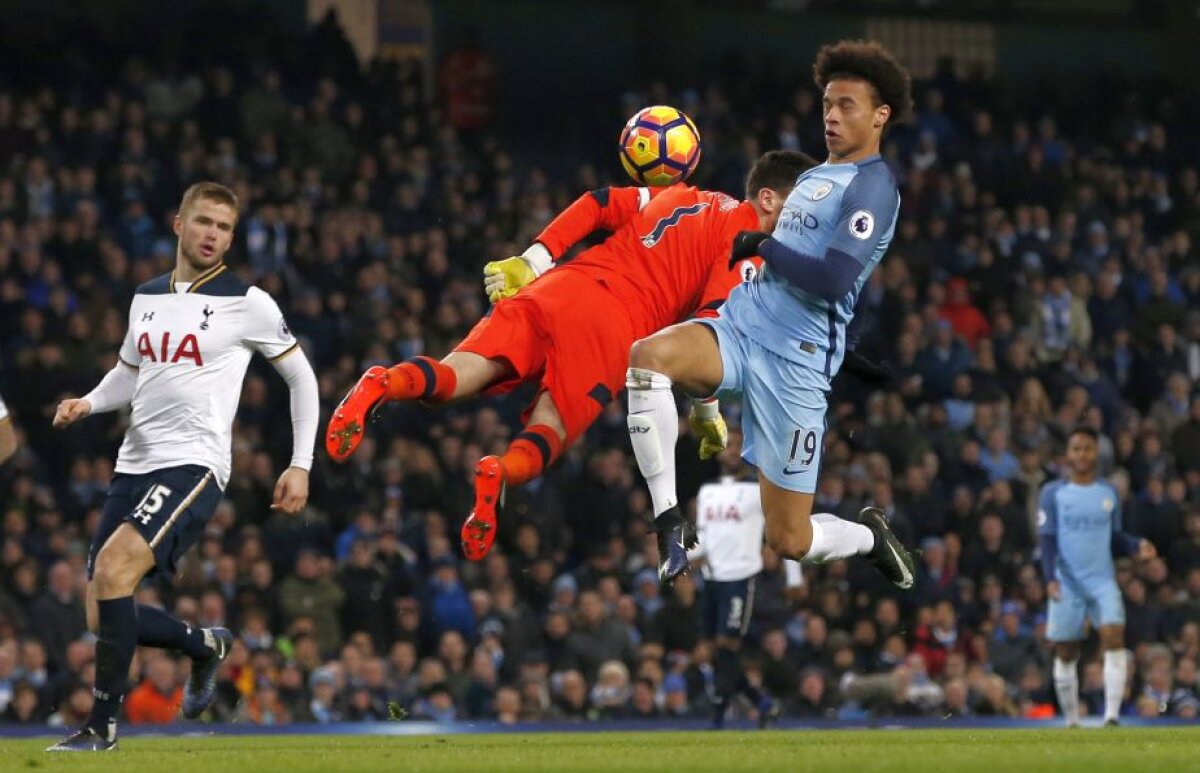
x=1155 y=750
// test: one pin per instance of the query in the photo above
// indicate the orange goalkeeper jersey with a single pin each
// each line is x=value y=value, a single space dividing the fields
x=668 y=256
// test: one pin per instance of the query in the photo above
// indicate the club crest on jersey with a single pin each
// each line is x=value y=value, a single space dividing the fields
x=188 y=349
x=862 y=224
x=823 y=190
x=1107 y=505
x=285 y=333
x=747 y=270
x=207 y=313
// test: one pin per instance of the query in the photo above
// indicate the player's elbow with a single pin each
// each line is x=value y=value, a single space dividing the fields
x=836 y=279
x=831 y=293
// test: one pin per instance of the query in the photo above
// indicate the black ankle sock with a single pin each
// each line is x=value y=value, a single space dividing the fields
x=750 y=691
x=727 y=673
x=157 y=628
x=114 y=651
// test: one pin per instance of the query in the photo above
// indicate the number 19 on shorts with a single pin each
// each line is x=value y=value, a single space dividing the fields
x=803 y=450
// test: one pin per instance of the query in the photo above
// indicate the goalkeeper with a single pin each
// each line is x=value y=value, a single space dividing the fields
x=570 y=331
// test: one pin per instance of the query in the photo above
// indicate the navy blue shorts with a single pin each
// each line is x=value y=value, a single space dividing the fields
x=169 y=508
x=728 y=606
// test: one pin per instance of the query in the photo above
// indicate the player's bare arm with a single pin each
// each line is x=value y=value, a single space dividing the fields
x=8 y=439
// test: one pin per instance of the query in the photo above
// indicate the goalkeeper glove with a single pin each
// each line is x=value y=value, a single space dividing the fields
x=708 y=425
x=745 y=245
x=505 y=278
x=870 y=372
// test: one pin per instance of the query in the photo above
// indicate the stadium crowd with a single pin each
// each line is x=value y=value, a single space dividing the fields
x=1043 y=275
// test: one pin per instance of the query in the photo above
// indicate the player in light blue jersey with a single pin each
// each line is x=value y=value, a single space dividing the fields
x=781 y=339
x=1079 y=527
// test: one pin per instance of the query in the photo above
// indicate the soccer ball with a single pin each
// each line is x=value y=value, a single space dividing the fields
x=660 y=146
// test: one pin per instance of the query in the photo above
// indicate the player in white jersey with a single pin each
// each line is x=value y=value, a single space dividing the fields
x=191 y=335
x=780 y=340
x=8 y=437
x=729 y=520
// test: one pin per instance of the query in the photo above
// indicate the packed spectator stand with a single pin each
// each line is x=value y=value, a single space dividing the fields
x=1044 y=275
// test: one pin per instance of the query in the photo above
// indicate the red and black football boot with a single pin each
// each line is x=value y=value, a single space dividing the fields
x=348 y=423
x=479 y=530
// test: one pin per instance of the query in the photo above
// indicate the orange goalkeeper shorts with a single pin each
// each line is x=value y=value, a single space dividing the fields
x=565 y=332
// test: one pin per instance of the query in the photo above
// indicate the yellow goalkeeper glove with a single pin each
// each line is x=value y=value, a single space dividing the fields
x=505 y=278
x=708 y=425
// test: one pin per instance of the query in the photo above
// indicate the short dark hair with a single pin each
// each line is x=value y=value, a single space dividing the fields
x=213 y=192
x=1093 y=434
x=777 y=170
x=868 y=61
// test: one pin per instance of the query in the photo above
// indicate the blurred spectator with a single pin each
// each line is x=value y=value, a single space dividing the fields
x=156 y=700
x=1037 y=280
x=308 y=594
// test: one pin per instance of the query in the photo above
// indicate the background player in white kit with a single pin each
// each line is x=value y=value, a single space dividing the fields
x=191 y=335
x=729 y=521
x=8 y=437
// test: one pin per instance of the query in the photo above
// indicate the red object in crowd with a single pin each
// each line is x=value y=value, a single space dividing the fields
x=934 y=651
x=146 y=705
x=966 y=320
x=468 y=81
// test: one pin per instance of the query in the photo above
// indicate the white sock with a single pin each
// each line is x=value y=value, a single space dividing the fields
x=835 y=538
x=1066 y=686
x=1114 y=682
x=653 y=429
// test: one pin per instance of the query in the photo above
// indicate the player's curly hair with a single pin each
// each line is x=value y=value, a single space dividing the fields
x=869 y=61
x=777 y=170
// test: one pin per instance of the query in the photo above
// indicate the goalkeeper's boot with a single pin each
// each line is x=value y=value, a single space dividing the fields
x=88 y=740
x=479 y=530
x=201 y=686
x=349 y=420
x=891 y=558
x=676 y=536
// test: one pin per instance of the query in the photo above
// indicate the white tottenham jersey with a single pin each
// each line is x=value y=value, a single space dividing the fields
x=729 y=521
x=191 y=344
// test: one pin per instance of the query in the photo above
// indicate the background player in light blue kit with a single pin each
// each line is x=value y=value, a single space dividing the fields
x=1079 y=524
x=781 y=339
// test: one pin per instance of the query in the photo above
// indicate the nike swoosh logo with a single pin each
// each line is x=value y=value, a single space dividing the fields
x=786 y=471
x=905 y=575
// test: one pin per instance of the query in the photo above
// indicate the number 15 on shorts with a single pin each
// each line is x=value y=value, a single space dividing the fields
x=804 y=445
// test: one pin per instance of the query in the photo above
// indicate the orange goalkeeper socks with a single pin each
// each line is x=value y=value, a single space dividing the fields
x=530 y=453
x=421 y=378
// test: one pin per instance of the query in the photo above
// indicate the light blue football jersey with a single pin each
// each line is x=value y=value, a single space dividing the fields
x=1084 y=519
x=850 y=208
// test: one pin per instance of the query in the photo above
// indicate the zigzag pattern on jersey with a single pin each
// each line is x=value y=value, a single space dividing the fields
x=660 y=228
